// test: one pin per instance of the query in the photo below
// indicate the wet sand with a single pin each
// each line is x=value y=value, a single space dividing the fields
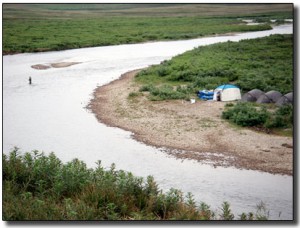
x=190 y=131
x=54 y=65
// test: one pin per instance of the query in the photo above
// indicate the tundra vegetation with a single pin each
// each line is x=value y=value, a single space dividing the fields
x=263 y=117
x=40 y=187
x=45 y=27
x=263 y=63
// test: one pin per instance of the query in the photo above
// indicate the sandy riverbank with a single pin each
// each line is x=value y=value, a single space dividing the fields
x=190 y=131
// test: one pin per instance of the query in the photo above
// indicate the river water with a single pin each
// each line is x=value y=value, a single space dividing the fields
x=50 y=115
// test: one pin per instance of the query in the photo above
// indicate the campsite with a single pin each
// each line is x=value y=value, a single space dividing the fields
x=132 y=121
x=190 y=128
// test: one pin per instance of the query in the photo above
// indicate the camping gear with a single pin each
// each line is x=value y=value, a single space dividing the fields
x=206 y=95
x=269 y=97
x=227 y=92
x=285 y=99
x=252 y=95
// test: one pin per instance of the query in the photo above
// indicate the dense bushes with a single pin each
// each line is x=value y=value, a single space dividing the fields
x=263 y=63
x=165 y=92
x=283 y=117
x=39 y=187
x=247 y=114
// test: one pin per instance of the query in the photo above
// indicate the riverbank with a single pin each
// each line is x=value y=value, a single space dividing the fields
x=190 y=131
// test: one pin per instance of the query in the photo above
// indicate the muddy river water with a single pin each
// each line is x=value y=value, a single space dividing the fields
x=50 y=115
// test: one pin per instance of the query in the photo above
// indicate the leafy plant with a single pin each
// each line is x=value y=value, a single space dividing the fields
x=167 y=92
x=40 y=187
x=245 y=114
x=282 y=118
x=226 y=212
x=133 y=94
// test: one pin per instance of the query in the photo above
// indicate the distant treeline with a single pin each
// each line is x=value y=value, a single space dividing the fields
x=45 y=27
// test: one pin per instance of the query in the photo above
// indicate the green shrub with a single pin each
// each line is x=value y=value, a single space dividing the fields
x=162 y=71
x=244 y=114
x=133 y=94
x=167 y=92
x=229 y=105
x=147 y=88
x=283 y=117
x=226 y=212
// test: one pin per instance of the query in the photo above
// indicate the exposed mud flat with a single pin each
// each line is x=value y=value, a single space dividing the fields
x=54 y=65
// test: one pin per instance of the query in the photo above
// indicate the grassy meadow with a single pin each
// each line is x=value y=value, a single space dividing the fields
x=45 y=27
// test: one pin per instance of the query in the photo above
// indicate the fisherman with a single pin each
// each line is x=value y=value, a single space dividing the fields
x=29 y=80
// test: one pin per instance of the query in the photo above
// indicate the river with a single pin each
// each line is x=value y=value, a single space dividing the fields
x=50 y=115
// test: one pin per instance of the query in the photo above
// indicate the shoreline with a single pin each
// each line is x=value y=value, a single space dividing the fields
x=189 y=131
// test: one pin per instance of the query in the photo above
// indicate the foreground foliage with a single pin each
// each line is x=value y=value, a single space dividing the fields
x=40 y=187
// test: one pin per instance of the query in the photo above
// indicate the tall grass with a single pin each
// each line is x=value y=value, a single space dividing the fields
x=40 y=187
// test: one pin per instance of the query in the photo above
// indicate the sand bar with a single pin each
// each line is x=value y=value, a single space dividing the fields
x=190 y=131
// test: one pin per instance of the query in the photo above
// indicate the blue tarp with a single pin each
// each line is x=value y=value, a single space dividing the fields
x=205 y=95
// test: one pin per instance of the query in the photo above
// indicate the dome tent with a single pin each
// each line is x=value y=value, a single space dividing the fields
x=227 y=92
x=252 y=95
x=285 y=99
x=269 y=97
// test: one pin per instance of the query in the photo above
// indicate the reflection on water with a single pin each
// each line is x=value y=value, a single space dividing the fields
x=49 y=115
